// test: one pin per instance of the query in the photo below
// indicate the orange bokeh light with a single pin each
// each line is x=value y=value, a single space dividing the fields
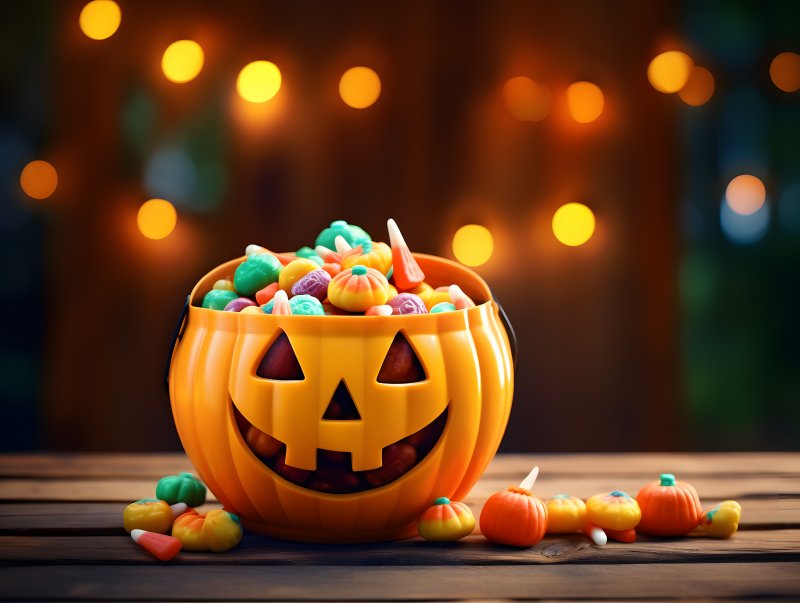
x=699 y=87
x=360 y=87
x=585 y=101
x=670 y=71
x=745 y=194
x=38 y=179
x=785 y=71
x=527 y=100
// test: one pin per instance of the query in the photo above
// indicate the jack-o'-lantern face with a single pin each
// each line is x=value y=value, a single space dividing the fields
x=289 y=419
x=329 y=441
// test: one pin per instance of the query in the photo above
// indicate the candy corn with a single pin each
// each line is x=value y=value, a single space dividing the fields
x=407 y=273
x=281 y=303
x=160 y=546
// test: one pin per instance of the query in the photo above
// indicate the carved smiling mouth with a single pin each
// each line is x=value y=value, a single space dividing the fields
x=334 y=473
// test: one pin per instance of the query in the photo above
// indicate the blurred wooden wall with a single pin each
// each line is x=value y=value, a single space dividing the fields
x=597 y=325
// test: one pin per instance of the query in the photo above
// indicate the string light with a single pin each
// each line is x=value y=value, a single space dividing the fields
x=156 y=218
x=473 y=245
x=585 y=101
x=699 y=87
x=38 y=179
x=100 y=19
x=359 y=87
x=573 y=224
x=745 y=194
x=259 y=81
x=527 y=100
x=182 y=61
x=785 y=71
x=669 y=71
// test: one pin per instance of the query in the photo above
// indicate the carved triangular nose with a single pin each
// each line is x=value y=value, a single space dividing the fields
x=341 y=407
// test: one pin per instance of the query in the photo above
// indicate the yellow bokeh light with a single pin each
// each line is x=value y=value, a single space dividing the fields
x=100 y=19
x=38 y=179
x=182 y=61
x=359 y=87
x=785 y=71
x=670 y=71
x=573 y=224
x=699 y=87
x=259 y=81
x=745 y=194
x=585 y=101
x=473 y=245
x=527 y=100
x=156 y=218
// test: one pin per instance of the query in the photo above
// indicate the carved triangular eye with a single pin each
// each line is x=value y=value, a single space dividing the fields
x=341 y=407
x=401 y=364
x=280 y=362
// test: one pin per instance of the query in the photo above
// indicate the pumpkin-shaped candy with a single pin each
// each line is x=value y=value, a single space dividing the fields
x=340 y=228
x=614 y=510
x=358 y=288
x=183 y=487
x=151 y=515
x=216 y=531
x=669 y=507
x=515 y=516
x=370 y=254
x=722 y=520
x=565 y=514
x=446 y=521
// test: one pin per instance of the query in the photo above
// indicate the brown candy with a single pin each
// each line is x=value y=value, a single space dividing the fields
x=401 y=364
x=397 y=459
x=280 y=362
x=261 y=443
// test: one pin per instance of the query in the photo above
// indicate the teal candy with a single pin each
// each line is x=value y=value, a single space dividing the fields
x=306 y=305
x=359 y=270
x=358 y=233
x=390 y=273
x=267 y=308
x=255 y=273
x=307 y=252
x=217 y=299
x=327 y=238
x=443 y=307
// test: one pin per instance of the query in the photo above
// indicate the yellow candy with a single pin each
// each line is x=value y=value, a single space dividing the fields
x=252 y=310
x=224 y=284
x=188 y=528
x=294 y=271
x=221 y=530
x=392 y=291
x=613 y=511
x=150 y=514
x=722 y=520
x=565 y=514
x=379 y=257
x=423 y=291
x=442 y=294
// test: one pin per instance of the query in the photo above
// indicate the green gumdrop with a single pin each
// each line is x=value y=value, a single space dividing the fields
x=308 y=253
x=358 y=233
x=306 y=305
x=217 y=299
x=443 y=307
x=327 y=238
x=255 y=273
x=185 y=488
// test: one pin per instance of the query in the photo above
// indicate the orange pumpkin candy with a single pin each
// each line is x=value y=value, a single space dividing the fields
x=669 y=507
x=515 y=516
x=467 y=389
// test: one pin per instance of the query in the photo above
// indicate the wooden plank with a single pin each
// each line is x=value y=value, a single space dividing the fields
x=332 y=583
x=106 y=518
x=128 y=490
x=777 y=545
x=506 y=466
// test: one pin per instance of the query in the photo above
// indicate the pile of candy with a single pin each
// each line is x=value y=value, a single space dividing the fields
x=346 y=273
x=149 y=520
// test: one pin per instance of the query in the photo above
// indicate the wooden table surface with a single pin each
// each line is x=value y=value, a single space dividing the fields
x=61 y=538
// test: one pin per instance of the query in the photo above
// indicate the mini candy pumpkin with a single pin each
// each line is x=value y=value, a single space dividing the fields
x=446 y=521
x=358 y=288
x=722 y=520
x=613 y=515
x=183 y=487
x=340 y=228
x=216 y=531
x=669 y=507
x=515 y=516
x=151 y=515
x=565 y=514
x=378 y=257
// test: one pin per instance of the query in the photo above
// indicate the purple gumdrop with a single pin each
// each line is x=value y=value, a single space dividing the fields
x=407 y=303
x=239 y=304
x=315 y=284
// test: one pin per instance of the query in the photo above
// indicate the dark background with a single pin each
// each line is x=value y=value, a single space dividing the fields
x=660 y=333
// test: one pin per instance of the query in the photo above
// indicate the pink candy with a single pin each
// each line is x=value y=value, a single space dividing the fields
x=407 y=303
x=315 y=283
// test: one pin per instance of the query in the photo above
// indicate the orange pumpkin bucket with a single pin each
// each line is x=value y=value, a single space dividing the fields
x=459 y=405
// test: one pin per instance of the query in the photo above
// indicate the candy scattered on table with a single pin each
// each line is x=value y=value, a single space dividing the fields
x=346 y=272
x=515 y=517
x=160 y=546
x=216 y=531
x=612 y=515
x=721 y=520
x=181 y=488
x=446 y=521
x=565 y=514
x=669 y=507
x=151 y=514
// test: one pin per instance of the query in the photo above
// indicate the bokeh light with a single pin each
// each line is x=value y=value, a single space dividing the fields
x=171 y=173
x=745 y=194
x=527 y=100
x=182 y=61
x=259 y=81
x=670 y=71
x=156 y=218
x=38 y=179
x=699 y=87
x=359 y=87
x=744 y=229
x=585 y=101
x=785 y=71
x=473 y=245
x=100 y=19
x=573 y=224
